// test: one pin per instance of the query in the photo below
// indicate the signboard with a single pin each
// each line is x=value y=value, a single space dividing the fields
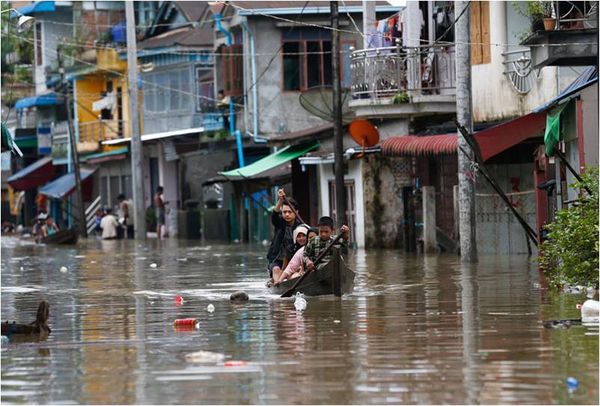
x=44 y=140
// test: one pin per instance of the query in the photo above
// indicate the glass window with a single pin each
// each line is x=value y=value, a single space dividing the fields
x=104 y=190
x=313 y=63
x=185 y=88
x=292 y=65
x=175 y=94
x=327 y=63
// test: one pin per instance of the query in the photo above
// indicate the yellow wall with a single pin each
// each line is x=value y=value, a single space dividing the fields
x=90 y=87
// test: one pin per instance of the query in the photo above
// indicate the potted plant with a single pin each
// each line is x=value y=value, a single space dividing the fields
x=539 y=12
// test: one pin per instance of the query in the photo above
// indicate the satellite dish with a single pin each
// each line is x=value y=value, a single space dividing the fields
x=318 y=101
x=364 y=133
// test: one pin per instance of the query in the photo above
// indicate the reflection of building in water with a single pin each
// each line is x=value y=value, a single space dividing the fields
x=109 y=317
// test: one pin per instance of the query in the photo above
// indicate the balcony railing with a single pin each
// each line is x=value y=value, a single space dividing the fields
x=518 y=68
x=387 y=72
x=101 y=130
x=575 y=15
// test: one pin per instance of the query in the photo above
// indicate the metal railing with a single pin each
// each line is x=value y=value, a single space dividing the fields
x=387 y=72
x=101 y=130
x=518 y=68
x=575 y=15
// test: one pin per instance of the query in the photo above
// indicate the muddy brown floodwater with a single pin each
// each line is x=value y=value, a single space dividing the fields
x=415 y=330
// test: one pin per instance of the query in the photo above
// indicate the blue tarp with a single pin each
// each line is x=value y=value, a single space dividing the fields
x=587 y=78
x=35 y=7
x=49 y=99
x=65 y=185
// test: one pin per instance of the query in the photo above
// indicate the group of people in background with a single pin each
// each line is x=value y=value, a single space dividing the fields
x=296 y=246
x=112 y=227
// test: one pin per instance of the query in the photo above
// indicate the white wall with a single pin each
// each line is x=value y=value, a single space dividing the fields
x=325 y=173
x=493 y=96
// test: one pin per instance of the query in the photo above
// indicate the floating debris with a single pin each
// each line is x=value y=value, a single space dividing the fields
x=204 y=357
x=300 y=302
x=210 y=308
x=153 y=265
x=178 y=300
x=239 y=296
x=190 y=322
x=63 y=269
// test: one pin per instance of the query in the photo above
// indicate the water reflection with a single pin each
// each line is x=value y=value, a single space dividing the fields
x=415 y=330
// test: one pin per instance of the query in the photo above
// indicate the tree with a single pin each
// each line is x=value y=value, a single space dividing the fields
x=570 y=254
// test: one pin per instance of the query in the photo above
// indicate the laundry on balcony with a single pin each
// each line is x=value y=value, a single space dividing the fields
x=108 y=102
x=48 y=99
x=33 y=175
x=65 y=185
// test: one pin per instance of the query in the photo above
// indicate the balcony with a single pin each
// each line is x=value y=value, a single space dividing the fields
x=94 y=132
x=518 y=69
x=401 y=82
x=574 y=39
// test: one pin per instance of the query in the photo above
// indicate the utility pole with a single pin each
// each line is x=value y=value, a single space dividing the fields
x=79 y=209
x=340 y=187
x=137 y=170
x=464 y=116
x=369 y=20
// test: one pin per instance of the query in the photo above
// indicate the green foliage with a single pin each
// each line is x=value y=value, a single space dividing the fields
x=13 y=41
x=534 y=9
x=401 y=97
x=570 y=255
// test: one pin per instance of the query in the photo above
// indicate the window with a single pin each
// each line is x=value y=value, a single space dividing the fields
x=232 y=70
x=480 y=32
x=306 y=60
x=38 y=44
x=175 y=90
x=205 y=89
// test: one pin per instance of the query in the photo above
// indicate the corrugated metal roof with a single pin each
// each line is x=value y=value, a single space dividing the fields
x=185 y=36
x=588 y=77
x=413 y=145
x=312 y=7
x=193 y=10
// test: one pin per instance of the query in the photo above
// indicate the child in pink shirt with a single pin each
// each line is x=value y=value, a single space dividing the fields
x=294 y=268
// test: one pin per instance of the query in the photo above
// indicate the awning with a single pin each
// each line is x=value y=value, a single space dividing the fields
x=156 y=136
x=33 y=175
x=27 y=142
x=269 y=162
x=113 y=155
x=35 y=7
x=587 y=78
x=65 y=185
x=50 y=99
x=492 y=140
x=499 y=138
x=8 y=141
x=413 y=145
x=96 y=157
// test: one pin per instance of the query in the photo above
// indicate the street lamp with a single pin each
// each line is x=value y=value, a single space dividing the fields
x=24 y=22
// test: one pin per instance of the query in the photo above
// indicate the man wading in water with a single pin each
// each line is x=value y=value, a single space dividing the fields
x=284 y=220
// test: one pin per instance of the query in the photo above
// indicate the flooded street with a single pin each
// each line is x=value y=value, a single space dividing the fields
x=415 y=330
